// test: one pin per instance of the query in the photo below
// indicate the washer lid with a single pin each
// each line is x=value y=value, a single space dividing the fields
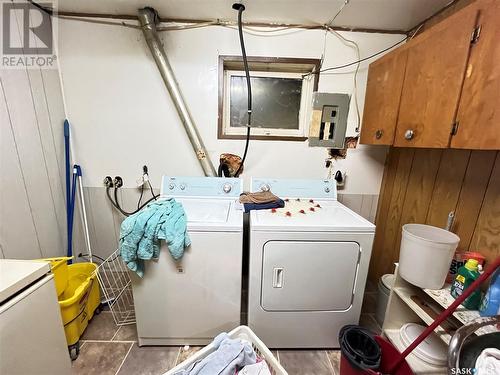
x=332 y=216
x=211 y=214
x=432 y=350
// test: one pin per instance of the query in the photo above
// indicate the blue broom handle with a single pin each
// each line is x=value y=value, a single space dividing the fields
x=68 y=185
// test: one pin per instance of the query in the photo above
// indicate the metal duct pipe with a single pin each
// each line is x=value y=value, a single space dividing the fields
x=148 y=18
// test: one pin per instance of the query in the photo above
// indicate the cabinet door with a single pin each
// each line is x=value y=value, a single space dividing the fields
x=478 y=116
x=383 y=94
x=433 y=81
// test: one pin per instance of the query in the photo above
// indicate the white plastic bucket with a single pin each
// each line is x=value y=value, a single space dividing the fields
x=385 y=285
x=426 y=254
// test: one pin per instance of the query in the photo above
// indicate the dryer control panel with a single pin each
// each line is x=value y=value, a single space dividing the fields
x=217 y=187
x=297 y=188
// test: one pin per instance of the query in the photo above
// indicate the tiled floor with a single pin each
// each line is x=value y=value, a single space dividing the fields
x=108 y=349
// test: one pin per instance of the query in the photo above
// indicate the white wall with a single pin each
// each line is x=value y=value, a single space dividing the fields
x=122 y=115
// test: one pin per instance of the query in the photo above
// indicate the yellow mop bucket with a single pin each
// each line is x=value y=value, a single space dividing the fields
x=78 y=303
x=59 y=267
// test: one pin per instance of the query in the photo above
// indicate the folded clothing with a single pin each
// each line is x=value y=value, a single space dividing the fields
x=259 y=197
x=279 y=203
x=230 y=356
x=140 y=234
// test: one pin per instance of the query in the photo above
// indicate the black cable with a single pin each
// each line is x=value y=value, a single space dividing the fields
x=140 y=197
x=223 y=170
x=133 y=212
x=358 y=61
x=240 y=8
x=111 y=199
x=93 y=256
x=151 y=189
x=116 y=204
x=49 y=11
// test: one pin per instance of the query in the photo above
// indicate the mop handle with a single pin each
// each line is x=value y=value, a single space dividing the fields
x=446 y=313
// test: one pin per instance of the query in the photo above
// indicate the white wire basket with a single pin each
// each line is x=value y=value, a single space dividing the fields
x=116 y=286
x=242 y=333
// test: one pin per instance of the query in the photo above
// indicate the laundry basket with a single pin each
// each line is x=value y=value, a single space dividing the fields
x=243 y=333
x=78 y=303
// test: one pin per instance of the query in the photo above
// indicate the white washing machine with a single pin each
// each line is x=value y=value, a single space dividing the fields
x=308 y=269
x=194 y=299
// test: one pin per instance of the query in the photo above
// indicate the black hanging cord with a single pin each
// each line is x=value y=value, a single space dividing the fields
x=151 y=189
x=357 y=61
x=240 y=8
x=116 y=203
x=140 y=197
x=223 y=170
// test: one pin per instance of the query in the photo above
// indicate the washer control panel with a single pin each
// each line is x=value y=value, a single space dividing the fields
x=296 y=188
x=201 y=187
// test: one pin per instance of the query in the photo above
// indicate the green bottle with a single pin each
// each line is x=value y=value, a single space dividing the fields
x=466 y=275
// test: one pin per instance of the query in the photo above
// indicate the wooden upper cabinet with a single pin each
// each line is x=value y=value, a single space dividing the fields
x=383 y=93
x=433 y=80
x=478 y=119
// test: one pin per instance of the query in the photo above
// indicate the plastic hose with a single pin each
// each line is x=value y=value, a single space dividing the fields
x=240 y=8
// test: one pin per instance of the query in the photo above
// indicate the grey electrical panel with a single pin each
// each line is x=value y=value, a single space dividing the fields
x=329 y=120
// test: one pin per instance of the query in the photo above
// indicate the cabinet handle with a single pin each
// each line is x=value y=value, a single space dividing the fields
x=379 y=133
x=278 y=277
x=409 y=134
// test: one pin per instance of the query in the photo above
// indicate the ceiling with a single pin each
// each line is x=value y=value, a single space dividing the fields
x=365 y=14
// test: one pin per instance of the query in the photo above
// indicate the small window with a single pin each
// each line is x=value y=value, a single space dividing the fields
x=281 y=97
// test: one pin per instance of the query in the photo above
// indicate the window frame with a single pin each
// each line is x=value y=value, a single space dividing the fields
x=304 y=110
x=267 y=67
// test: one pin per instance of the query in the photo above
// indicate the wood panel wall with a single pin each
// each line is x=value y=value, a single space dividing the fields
x=423 y=186
x=32 y=194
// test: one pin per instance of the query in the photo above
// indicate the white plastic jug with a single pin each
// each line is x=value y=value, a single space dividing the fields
x=425 y=255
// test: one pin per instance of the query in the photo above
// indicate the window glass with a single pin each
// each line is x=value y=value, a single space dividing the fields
x=275 y=102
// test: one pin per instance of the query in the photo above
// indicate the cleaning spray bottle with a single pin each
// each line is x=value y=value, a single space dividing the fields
x=490 y=306
x=466 y=275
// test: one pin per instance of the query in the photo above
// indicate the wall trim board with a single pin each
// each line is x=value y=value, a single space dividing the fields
x=216 y=22
x=423 y=186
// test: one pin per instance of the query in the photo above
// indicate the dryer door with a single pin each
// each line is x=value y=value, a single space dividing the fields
x=308 y=276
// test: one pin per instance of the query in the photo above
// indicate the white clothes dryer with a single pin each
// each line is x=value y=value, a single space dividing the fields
x=308 y=265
